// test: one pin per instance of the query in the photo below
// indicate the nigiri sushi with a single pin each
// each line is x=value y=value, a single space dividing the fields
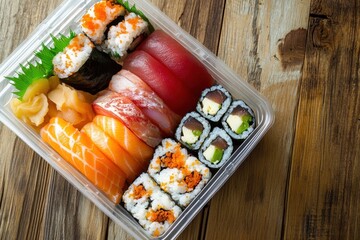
x=125 y=138
x=164 y=83
x=129 y=165
x=113 y=104
x=77 y=149
x=187 y=68
x=131 y=86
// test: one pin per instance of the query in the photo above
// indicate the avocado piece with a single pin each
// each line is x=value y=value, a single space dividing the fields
x=246 y=120
x=213 y=154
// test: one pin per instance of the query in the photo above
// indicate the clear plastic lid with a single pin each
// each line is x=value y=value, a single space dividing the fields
x=66 y=17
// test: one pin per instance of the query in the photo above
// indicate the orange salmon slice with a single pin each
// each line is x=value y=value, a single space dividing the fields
x=108 y=146
x=77 y=149
x=125 y=138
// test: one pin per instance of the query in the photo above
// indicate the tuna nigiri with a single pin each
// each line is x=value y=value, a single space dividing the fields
x=164 y=83
x=131 y=86
x=125 y=138
x=77 y=149
x=113 y=104
x=187 y=68
x=129 y=165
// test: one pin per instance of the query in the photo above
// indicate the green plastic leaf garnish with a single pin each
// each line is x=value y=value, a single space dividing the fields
x=42 y=69
x=46 y=55
x=28 y=76
x=133 y=9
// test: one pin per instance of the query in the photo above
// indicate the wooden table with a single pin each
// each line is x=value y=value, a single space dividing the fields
x=303 y=179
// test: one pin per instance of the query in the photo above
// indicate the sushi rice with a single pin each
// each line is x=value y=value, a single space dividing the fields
x=193 y=142
x=216 y=133
x=247 y=109
x=179 y=174
x=121 y=36
x=95 y=22
x=73 y=57
x=153 y=208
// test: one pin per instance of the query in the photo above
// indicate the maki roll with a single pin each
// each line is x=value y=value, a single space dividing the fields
x=125 y=36
x=98 y=19
x=214 y=102
x=193 y=130
x=239 y=121
x=153 y=208
x=216 y=149
x=179 y=174
x=83 y=67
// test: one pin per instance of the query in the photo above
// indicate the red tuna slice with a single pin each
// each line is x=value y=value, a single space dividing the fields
x=185 y=66
x=112 y=104
x=168 y=87
x=132 y=87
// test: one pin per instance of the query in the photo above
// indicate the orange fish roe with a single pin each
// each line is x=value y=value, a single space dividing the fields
x=134 y=21
x=75 y=43
x=88 y=22
x=139 y=192
x=161 y=215
x=156 y=233
x=174 y=159
x=193 y=179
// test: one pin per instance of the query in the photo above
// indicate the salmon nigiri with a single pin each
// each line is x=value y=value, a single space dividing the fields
x=115 y=105
x=125 y=138
x=77 y=149
x=129 y=165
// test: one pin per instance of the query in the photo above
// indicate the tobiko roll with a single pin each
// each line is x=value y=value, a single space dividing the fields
x=192 y=130
x=239 y=121
x=99 y=18
x=83 y=67
x=179 y=174
x=125 y=36
x=214 y=102
x=216 y=149
x=153 y=208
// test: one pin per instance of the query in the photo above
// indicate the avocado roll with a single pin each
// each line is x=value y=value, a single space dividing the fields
x=179 y=174
x=192 y=130
x=239 y=121
x=84 y=67
x=214 y=102
x=153 y=208
x=216 y=149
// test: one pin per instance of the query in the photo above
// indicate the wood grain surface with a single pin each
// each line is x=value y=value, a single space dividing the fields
x=301 y=182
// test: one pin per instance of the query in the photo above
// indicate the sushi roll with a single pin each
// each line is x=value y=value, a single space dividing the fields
x=153 y=208
x=98 y=19
x=193 y=130
x=213 y=103
x=216 y=149
x=83 y=67
x=178 y=173
x=125 y=36
x=239 y=121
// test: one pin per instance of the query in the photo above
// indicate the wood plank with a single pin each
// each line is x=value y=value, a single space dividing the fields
x=264 y=42
x=201 y=19
x=25 y=199
x=324 y=189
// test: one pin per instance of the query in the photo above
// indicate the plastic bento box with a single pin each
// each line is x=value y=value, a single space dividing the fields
x=67 y=17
